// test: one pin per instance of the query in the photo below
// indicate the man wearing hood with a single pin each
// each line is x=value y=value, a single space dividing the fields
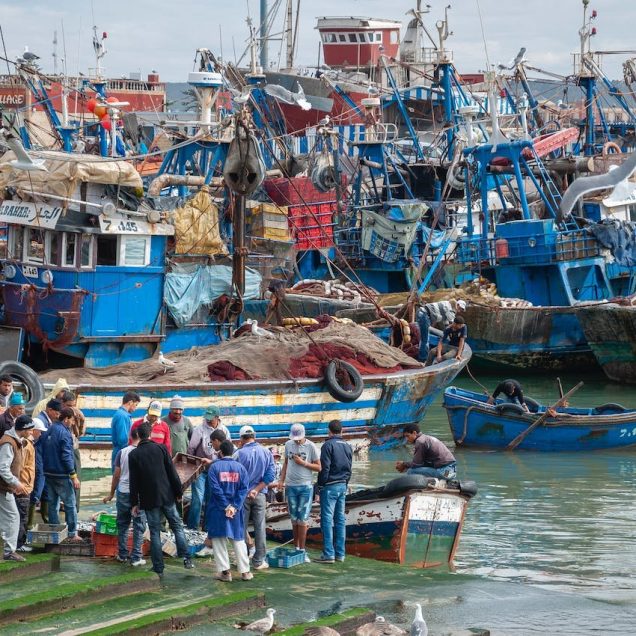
x=54 y=394
x=14 y=410
x=11 y=464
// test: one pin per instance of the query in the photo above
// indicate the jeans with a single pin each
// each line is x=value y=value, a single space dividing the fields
x=124 y=517
x=443 y=472
x=448 y=353
x=22 y=502
x=61 y=489
x=199 y=497
x=299 y=500
x=332 y=520
x=176 y=525
x=254 y=509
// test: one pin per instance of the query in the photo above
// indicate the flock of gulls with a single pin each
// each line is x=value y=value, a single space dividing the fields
x=379 y=627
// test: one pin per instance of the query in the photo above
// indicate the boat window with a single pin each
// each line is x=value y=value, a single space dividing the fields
x=362 y=37
x=86 y=250
x=35 y=246
x=352 y=37
x=68 y=249
x=370 y=37
x=134 y=250
x=342 y=37
x=378 y=37
x=53 y=247
x=394 y=37
x=16 y=242
x=332 y=37
x=107 y=249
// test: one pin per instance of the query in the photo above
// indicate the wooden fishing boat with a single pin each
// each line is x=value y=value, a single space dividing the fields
x=412 y=520
x=476 y=423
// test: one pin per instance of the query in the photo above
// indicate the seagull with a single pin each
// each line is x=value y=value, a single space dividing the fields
x=380 y=628
x=284 y=95
x=514 y=63
x=418 y=626
x=27 y=56
x=258 y=331
x=321 y=631
x=242 y=96
x=262 y=625
x=166 y=363
x=23 y=160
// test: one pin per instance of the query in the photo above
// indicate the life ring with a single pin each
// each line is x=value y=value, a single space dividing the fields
x=610 y=406
x=510 y=409
x=406 y=482
x=29 y=378
x=613 y=146
x=336 y=390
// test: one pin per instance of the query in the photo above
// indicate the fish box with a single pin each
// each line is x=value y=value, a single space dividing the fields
x=285 y=557
x=47 y=533
x=106 y=545
x=106 y=524
x=188 y=468
x=85 y=548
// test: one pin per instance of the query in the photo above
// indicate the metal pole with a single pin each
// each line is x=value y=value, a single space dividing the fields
x=238 y=257
x=263 y=35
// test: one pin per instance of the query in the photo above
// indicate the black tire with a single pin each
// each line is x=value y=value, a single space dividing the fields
x=610 y=406
x=532 y=404
x=468 y=488
x=406 y=482
x=510 y=409
x=29 y=378
x=333 y=385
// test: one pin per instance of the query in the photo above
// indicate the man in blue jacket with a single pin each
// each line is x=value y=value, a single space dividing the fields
x=59 y=472
x=336 y=458
x=227 y=483
x=259 y=464
x=121 y=424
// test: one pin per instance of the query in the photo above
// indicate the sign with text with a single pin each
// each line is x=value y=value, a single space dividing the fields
x=35 y=214
x=120 y=224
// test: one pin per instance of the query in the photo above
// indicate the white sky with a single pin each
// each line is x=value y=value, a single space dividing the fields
x=161 y=35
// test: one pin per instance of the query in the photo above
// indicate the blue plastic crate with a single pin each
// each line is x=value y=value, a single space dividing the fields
x=285 y=557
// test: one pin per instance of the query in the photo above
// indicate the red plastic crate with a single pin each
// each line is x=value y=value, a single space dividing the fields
x=294 y=191
x=107 y=545
x=312 y=225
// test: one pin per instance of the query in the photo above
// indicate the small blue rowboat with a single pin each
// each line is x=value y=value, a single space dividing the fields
x=474 y=423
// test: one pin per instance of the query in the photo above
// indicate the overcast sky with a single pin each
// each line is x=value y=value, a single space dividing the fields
x=155 y=34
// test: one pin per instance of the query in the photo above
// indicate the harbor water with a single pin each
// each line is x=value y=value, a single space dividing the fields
x=547 y=545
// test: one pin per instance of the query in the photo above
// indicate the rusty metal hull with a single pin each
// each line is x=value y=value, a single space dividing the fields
x=611 y=333
x=420 y=528
x=528 y=338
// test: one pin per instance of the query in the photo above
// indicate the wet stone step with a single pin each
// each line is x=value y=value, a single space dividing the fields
x=345 y=623
x=35 y=565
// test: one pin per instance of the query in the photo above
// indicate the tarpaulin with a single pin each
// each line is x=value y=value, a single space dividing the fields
x=619 y=237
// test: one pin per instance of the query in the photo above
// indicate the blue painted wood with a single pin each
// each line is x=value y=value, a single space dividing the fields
x=474 y=423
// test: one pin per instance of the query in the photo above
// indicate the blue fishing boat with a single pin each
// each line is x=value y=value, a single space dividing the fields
x=475 y=423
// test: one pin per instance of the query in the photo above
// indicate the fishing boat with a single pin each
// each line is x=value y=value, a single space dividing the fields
x=475 y=423
x=610 y=330
x=412 y=520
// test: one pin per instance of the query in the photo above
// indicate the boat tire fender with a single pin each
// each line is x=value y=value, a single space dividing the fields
x=532 y=404
x=406 y=482
x=27 y=376
x=610 y=406
x=468 y=488
x=510 y=409
x=333 y=384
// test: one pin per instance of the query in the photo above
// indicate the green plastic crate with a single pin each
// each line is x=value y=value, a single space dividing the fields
x=106 y=524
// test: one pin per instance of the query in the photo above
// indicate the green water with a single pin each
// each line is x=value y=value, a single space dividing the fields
x=547 y=546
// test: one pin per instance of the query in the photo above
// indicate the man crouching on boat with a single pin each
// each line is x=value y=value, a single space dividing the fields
x=431 y=458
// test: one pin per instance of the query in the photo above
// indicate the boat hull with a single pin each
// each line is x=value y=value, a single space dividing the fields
x=528 y=338
x=611 y=333
x=271 y=407
x=420 y=528
x=476 y=424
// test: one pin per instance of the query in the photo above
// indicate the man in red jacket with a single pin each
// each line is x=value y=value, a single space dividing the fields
x=160 y=430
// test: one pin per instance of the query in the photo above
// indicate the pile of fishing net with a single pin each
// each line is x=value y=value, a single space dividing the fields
x=258 y=354
x=337 y=289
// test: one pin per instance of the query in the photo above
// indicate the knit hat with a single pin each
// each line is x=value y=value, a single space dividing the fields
x=177 y=402
x=154 y=408
x=16 y=399
x=54 y=405
x=211 y=412
x=24 y=423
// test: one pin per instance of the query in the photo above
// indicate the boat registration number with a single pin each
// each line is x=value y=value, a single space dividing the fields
x=30 y=271
x=625 y=432
x=116 y=226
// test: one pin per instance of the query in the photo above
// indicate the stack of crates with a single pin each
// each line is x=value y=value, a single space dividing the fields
x=268 y=221
x=105 y=538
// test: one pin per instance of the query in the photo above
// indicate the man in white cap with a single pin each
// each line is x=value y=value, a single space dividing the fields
x=11 y=465
x=259 y=464
x=180 y=426
x=302 y=459
x=160 y=433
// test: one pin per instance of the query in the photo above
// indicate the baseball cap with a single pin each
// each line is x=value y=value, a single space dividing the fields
x=177 y=402
x=24 y=423
x=38 y=425
x=211 y=412
x=247 y=431
x=16 y=399
x=154 y=408
x=297 y=431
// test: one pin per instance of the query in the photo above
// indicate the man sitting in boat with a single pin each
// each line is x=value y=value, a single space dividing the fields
x=431 y=458
x=512 y=393
x=456 y=334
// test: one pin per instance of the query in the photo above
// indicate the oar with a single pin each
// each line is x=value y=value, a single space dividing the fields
x=517 y=440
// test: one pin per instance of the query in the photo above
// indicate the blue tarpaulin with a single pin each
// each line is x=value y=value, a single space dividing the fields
x=619 y=237
x=189 y=288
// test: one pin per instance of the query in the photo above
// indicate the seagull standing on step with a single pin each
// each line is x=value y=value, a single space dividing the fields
x=419 y=626
x=166 y=363
x=380 y=627
x=262 y=625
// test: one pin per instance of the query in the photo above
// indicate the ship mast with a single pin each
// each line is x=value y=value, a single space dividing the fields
x=264 y=34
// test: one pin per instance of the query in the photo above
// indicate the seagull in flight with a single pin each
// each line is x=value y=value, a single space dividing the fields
x=286 y=96
x=23 y=160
